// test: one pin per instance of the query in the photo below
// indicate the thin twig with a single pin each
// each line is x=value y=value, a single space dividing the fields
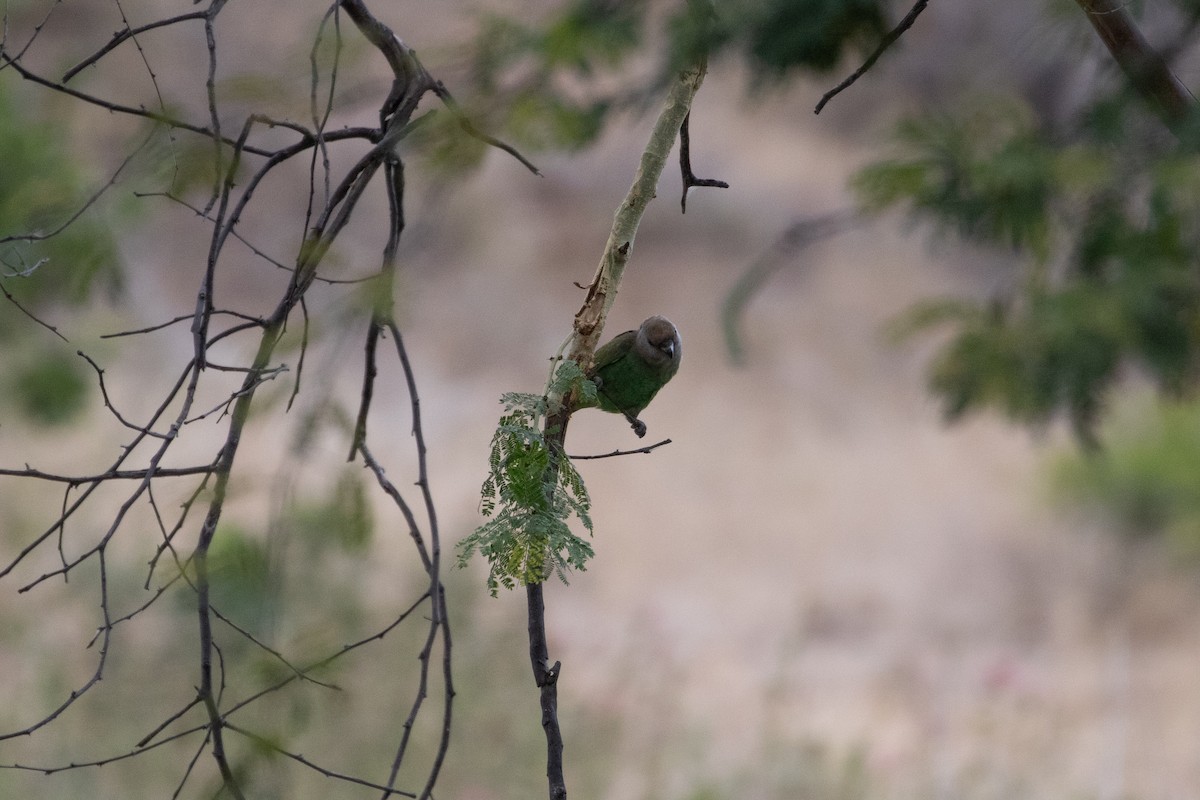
x=270 y=744
x=87 y=204
x=124 y=36
x=685 y=166
x=8 y=296
x=887 y=42
x=648 y=448
x=242 y=165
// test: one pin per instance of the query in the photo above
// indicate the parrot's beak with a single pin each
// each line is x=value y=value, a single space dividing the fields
x=669 y=348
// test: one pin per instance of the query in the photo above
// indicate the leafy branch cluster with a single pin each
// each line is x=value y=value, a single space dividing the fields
x=550 y=82
x=530 y=494
x=1103 y=217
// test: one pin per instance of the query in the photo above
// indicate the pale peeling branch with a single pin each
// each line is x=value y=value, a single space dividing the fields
x=589 y=321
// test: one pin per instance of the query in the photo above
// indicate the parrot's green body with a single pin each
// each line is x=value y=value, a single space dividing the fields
x=630 y=369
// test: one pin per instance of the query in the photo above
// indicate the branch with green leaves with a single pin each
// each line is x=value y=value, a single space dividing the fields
x=532 y=489
x=526 y=527
x=527 y=536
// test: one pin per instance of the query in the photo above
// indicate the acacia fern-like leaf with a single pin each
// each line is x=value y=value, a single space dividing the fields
x=529 y=504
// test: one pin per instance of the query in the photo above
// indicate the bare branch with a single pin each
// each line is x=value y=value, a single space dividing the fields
x=1146 y=69
x=112 y=180
x=270 y=744
x=685 y=166
x=7 y=60
x=243 y=163
x=894 y=34
x=125 y=35
x=8 y=296
x=116 y=474
x=647 y=449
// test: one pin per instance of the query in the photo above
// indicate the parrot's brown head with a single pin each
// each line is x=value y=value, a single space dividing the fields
x=658 y=343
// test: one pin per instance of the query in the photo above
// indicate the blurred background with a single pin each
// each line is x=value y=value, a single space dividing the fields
x=868 y=565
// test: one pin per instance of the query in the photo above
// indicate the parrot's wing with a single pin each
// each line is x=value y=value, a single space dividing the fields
x=612 y=350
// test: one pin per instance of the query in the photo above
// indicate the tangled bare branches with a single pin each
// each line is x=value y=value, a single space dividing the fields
x=152 y=463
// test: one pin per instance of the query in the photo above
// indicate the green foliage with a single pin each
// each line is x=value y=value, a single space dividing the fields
x=530 y=495
x=586 y=35
x=568 y=378
x=240 y=579
x=183 y=165
x=528 y=78
x=50 y=389
x=986 y=175
x=548 y=121
x=41 y=188
x=1105 y=219
x=1146 y=478
x=786 y=34
x=592 y=32
x=343 y=519
x=777 y=37
x=548 y=83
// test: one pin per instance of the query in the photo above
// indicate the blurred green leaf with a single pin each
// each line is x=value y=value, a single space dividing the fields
x=590 y=33
x=50 y=388
x=1146 y=479
x=985 y=174
x=786 y=34
x=239 y=573
x=546 y=122
x=343 y=520
x=42 y=186
x=1109 y=239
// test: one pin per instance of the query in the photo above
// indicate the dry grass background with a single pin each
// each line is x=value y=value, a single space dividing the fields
x=817 y=564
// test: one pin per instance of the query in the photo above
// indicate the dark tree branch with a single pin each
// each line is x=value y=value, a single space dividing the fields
x=1148 y=72
x=79 y=212
x=108 y=402
x=7 y=60
x=37 y=31
x=685 y=166
x=545 y=676
x=116 y=474
x=97 y=673
x=125 y=35
x=8 y=296
x=894 y=34
x=304 y=332
x=270 y=744
x=147 y=743
x=647 y=449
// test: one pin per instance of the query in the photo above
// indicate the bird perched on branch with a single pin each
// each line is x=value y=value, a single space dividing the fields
x=630 y=369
